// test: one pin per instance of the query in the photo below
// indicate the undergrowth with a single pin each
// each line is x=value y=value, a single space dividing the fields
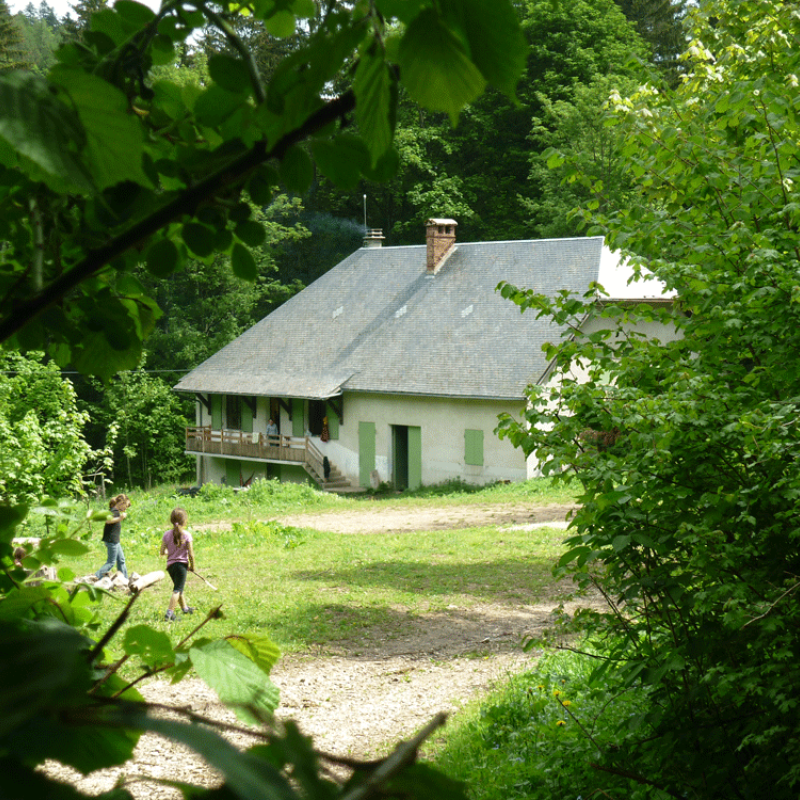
x=554 y=732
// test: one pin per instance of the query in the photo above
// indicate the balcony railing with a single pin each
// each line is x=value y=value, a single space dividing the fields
x=287 y=449
x=246 y=445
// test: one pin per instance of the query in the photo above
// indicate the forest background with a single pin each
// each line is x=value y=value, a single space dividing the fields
x=489 y=173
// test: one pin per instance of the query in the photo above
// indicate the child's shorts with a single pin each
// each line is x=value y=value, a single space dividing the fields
x=178 y=572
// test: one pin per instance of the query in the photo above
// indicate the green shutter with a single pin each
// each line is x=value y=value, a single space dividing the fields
x=366 y=452
x=414 y=457
x=216 y=412
x=233 y=472
x=298 y=424
x=247 y=418
x=473 y=448
x=333 y=422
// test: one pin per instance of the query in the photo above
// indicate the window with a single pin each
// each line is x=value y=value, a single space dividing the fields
x=473 y=448
x=233 y=413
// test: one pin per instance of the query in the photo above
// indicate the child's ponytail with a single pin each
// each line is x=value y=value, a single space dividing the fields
x=178 y=518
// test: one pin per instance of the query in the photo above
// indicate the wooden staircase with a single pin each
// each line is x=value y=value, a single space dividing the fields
x=314 y=466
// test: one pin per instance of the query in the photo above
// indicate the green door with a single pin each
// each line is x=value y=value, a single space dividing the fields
x=414 y=457
x=366 y=452
x=400 y=457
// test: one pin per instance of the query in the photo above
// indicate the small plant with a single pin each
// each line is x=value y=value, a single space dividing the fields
x=259 y=533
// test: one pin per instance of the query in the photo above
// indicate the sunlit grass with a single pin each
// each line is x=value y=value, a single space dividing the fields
x=311 y=590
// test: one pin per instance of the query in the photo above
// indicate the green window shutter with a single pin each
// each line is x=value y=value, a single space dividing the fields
x=366 y=452
x=473 y=448
x=247 y=418
x=414 y=457
x=233 y=472
x=298 y=423
x=216 y=412
x=333 y=422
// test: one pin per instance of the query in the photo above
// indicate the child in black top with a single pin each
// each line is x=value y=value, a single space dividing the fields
x=111 y=536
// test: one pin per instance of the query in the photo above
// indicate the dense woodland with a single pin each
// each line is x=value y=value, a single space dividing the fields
x=489 y=173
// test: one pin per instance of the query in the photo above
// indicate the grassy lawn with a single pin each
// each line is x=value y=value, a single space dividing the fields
x=307 y=589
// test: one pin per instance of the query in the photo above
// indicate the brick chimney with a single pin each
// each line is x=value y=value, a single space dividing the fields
x=440 y=236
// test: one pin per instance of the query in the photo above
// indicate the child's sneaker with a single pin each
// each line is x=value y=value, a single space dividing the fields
x=169 y=616
x=189 y=610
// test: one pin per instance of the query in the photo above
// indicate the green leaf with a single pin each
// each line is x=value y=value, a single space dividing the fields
x=42 y=664
x=435 y=67
x=163 y=51
x=259 y=649
x=153 y=647
x=45 y=134
x=70 y=548
x=137 y=15
x=215 y=105
x=107 y=22
x=95 y=355
x=498 y=50
x=230 y=73
x=10 y=518
x=238 y=681
x=385 y=168
x=243 y=264
x=341 y=160
x=251 y=233
x=280 y=24
x=373 y=88
x=260 y=186
x=296 y=170
x=163 y=258
x=404 y=10
x=198 y=238
x=115 y=143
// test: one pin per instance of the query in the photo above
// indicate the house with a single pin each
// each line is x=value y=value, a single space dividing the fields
x=393 y=366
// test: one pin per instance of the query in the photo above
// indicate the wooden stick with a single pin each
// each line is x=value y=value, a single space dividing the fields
x=207 y=582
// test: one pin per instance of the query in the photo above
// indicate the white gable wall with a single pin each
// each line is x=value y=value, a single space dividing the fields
x=442 y=422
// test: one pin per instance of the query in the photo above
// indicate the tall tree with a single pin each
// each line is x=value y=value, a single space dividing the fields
x=480 y=172
x=661 y=24
x=687 y=450
x=11 y=45
x=42 y=33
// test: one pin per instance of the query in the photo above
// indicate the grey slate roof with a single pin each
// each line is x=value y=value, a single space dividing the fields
x=377 y=323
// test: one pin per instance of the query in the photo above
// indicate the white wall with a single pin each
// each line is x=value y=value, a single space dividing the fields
x=442 y=422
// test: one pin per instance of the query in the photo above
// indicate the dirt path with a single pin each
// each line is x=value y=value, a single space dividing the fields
x=360 y=706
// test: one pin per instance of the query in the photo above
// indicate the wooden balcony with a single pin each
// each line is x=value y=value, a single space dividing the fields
x=260 y=447
x=285 y=449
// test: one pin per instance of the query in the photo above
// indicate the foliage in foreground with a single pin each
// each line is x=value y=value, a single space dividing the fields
x=687 y=450
x=554 y=732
